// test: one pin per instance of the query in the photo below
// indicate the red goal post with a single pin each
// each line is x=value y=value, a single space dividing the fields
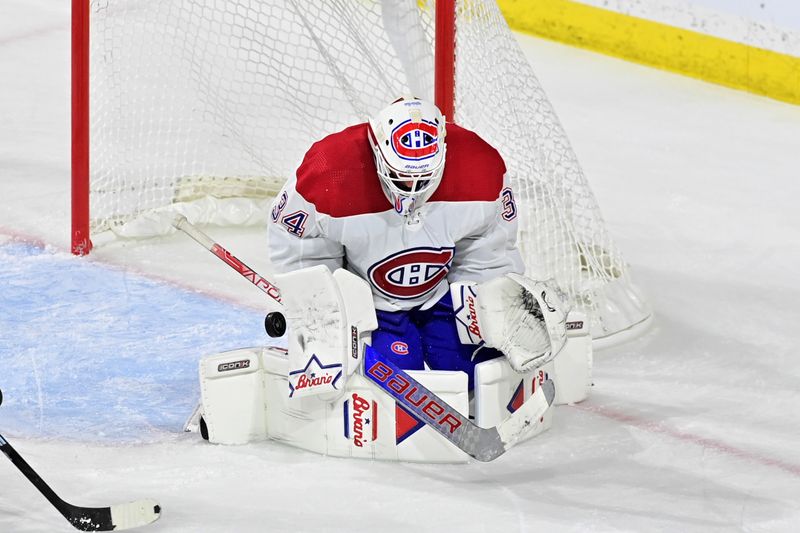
x=81 y=240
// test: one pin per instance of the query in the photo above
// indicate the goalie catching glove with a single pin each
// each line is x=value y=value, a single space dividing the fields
x=523 y=318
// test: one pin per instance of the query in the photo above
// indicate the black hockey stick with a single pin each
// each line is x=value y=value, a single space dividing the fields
x=483 y=444
x=115 y=517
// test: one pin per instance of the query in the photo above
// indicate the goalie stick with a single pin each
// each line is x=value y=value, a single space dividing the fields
x=483 y=444
x=113 y=518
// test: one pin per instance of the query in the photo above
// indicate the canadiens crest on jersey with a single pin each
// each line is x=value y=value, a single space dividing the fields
x=415 y=140
x=411 y=273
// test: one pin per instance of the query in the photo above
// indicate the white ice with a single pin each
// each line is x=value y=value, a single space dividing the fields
x=694 y=427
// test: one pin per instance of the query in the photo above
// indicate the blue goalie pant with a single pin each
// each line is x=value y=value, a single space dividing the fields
x=410 y=339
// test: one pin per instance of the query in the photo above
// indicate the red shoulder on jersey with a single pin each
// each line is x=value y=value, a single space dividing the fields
x=473 y=169
x=338 y=173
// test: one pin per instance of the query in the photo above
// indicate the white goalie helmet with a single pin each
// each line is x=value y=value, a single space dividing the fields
x=407 y=139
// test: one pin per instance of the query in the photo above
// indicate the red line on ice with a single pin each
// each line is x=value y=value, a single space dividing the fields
x=713 y=444
x=17 y=236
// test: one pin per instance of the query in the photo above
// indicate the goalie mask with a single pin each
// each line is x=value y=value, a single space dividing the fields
x=407 y=140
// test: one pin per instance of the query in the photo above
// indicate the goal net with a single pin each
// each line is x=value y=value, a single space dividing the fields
x=205 y=107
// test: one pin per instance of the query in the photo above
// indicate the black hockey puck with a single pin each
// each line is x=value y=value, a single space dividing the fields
x=275 y=324
x=1 y=397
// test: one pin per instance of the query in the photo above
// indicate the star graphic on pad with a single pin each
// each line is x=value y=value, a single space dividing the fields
x=314 y=369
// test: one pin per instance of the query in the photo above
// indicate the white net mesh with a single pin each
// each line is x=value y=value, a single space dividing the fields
x=206 y=106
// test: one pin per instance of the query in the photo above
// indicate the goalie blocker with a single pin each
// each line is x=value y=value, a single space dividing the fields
x=315 y=397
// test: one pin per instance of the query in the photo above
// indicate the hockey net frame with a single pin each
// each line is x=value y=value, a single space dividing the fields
x=562 y=234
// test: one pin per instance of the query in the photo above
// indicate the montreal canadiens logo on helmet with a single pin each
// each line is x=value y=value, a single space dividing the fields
x=415 y=140
x=411 y=273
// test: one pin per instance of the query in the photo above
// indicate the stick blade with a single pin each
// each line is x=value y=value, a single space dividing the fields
x=516 y=426
x=134 y=514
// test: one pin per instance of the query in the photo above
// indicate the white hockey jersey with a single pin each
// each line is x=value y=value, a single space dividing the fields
x=334 y=212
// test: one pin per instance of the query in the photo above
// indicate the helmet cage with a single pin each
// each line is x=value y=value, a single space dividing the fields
x=407 y=190
x=405 y=183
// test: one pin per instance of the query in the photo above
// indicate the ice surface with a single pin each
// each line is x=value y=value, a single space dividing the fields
x=95 y=353
x=693 y=427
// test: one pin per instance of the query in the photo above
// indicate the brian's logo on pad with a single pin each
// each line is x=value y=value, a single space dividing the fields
x=314 y=378
x=412 y=273
x=360 y=420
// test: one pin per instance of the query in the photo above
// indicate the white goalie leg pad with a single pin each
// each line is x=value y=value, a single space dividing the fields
x=500 y=390
x=523 y=318
x=324 y=343
x=232 y=396
x=573 y=364
x=364 y=422
x=244 y=400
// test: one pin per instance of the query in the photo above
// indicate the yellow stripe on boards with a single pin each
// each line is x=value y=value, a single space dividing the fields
x=651 y=43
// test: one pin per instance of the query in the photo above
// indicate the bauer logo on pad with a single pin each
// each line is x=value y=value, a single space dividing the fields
x=314 y=378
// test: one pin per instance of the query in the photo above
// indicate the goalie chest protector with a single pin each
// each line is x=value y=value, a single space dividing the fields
x=335 y=205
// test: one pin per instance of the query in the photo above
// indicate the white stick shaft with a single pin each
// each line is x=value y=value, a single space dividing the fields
x=245 y=271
